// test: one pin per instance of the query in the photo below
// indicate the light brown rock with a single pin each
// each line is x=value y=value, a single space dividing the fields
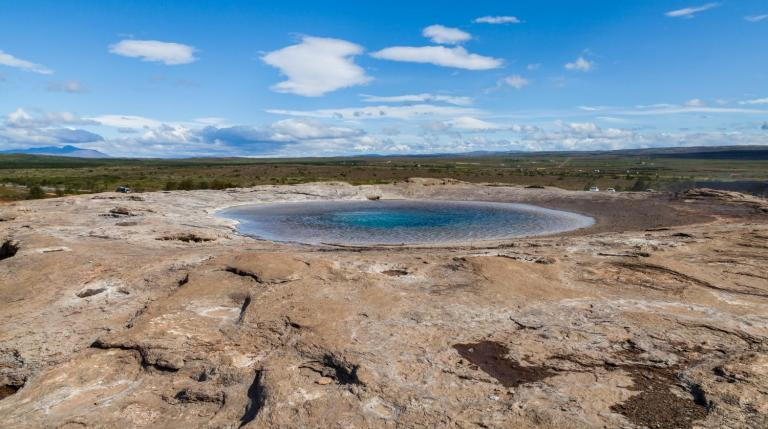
x=123 y=326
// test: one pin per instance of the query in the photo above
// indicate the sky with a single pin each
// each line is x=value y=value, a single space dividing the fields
x=309 y=78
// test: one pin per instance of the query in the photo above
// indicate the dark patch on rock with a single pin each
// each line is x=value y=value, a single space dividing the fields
x=189 y=395
x=7 y=390
x=395 y=273
x=13 y=372
x=186 y=237
x=491 y=358
x=243 y=273
x=256 y=399
x=336 y=368
x=656 y=405
x=8 y=249
x=682 y=235
x=161 y=360
x=121 y=211
x=184 y=280
x=243 y=309
x=90 y=292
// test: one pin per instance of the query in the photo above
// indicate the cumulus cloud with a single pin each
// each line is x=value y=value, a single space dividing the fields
x=581 y=64
x=313 y=136
x=756 y=18
x=211 y=137
x=695 y=102
x=497 y=20
x=20 y=118
x=70 y=86
x=457 y=57
x=317 y=66
x=419 y=98
x=690 y=12
x=473 y=124
x=756 y=101
x=303 y=129
x=11 y=61
x=515 y=81
x=20 y=129
x=168 y=53
x=583 y=127
x=446 y=35
x=126 y=121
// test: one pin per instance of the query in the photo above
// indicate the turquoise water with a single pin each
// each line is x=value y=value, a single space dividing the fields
x=398 y=221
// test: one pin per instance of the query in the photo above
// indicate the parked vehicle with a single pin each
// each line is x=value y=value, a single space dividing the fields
x=594 y=189
x=123 y=189
x=611 y=190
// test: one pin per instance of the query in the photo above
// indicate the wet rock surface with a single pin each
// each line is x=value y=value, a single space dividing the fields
x=648 y=319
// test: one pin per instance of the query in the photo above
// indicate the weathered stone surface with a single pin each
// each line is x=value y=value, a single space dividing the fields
x=657 y=315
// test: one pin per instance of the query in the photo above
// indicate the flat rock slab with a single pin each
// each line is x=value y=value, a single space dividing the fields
x=119 y=311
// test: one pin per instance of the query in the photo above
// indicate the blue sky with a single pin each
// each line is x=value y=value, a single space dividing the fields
x=299 y=78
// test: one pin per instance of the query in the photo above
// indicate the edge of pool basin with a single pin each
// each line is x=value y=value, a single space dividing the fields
x=434 y=245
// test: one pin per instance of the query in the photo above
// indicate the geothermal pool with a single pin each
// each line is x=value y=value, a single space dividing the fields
x=398 y=221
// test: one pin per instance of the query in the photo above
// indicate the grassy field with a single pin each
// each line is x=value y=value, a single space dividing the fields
x=22 y=175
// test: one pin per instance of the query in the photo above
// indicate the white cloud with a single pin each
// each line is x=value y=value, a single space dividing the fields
x=668 y=109
x=126 y=121
x=419 y=98
x=755 y=101
x=167 y=53
x=457 y=57
x=473 y=124
x=213 y=120
x=20 y=118
x=515 y=81
x=497 y=20
x=581 y=64
x=304 y=129
x=317 y=66
x=583 y=127
x=690 y=12
x=534 y=66
x=20 y=129
x=381 y=112
x=756 y=18
x=71 y=86
x=446 y=35
x=11 y=61
x=694 y=102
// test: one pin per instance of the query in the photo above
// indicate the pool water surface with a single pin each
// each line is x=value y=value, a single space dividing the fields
x=399 y=221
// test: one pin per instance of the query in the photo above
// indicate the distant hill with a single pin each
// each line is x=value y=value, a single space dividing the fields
x=68 y=151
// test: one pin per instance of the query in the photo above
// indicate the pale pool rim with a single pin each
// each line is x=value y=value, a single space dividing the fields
x=586 y=222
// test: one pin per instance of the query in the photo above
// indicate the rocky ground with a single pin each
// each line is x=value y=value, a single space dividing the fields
x=146 y=310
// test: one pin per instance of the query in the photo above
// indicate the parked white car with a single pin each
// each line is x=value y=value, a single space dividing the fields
x=610 y=190
x=594 y=189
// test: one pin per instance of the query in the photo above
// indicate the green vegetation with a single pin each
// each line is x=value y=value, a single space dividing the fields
x=25 y=176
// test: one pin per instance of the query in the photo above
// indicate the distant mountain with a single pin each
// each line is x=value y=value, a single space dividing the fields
x=70 y=151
